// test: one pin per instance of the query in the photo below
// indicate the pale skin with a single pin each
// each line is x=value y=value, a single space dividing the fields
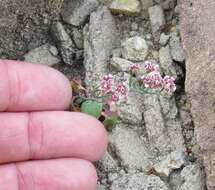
x=43 y=147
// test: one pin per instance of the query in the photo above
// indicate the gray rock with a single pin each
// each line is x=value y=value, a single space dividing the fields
x=155 y=54
x=112 y=177
x=126 y=7
x=148 y=36
x=105 y=2
x=137 y=182
x=100 y=187
x=176 y=48
x=99 y=40
x=166 y=62
x=75 y=12
x=117 y=52
x=46 y=54
x=146 y=4
x=193 y=178
x=135 y=49
x=134 y=26
x=164 y=38
x=129 y=148
x=107 y=163
x=175 y=160
x=162 y=126
x=59 y=33
x=8 y=22
x=131 y=111
x=177 y=9
x=66 y=46
x=120 y=64
x=157 y=20
x=168 y=4
x=78 y=38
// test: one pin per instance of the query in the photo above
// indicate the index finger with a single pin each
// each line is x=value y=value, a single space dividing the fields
x=30 y=87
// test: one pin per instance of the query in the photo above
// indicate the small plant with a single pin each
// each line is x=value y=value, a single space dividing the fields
x=101 y=102
x=151 y=81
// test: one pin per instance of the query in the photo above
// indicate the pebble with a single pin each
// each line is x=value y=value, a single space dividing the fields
x=126 y=7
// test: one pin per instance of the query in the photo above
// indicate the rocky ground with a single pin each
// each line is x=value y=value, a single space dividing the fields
x=153 y=147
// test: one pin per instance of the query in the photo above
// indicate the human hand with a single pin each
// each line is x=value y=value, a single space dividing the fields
x=42 y=147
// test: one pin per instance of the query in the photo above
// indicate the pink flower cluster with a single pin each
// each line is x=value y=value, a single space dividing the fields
x=134 y=67
x=151 y=66
x=108 y=89
x=153 y=78
x=106 y=84
x=169 y=84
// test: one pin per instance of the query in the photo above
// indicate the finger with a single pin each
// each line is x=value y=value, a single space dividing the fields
x=65 y=174
x=29 y=87
x=45 y=135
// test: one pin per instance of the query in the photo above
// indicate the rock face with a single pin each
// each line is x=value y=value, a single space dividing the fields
x=76 y=11
x=198 y=28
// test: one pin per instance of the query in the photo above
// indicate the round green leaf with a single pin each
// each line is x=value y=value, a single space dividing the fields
x=92 y=108
x=110 y=122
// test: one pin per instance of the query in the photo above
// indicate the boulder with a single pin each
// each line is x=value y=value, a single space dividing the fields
x=198 y=28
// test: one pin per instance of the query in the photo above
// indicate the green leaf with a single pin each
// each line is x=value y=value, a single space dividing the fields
x=78 y=101
x=92 y=108
x=110 y=122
